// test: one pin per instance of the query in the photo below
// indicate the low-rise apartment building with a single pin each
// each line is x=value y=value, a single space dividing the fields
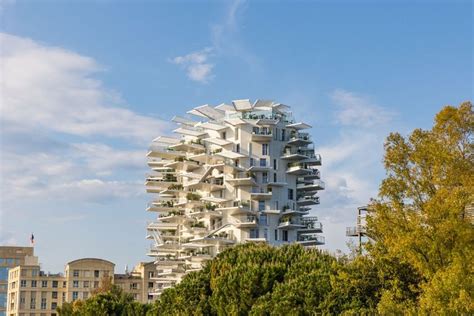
x=10 y=257
x=33 y=292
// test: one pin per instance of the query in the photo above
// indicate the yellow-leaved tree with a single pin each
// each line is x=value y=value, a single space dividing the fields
x=423 y=216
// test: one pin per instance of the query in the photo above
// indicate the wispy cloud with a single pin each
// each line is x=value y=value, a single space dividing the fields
x=225 y=41
x=64 y=135
x=196 y=64
x=358 y=110
x=47 y=87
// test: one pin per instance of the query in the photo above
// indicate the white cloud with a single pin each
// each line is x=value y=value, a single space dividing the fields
x=196 y=64
x=358 y=110
x=64 y=135
x=226 y=41
x=47 y=87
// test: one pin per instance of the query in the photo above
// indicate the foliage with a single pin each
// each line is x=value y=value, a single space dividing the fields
x=422 y=218
x=419 y=260
x=111 y=301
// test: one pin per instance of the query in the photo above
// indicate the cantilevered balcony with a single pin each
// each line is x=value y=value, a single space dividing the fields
x=156 y=185
x=310 y=239
x=355 y=231
x=307 y=200
x=261 y=135
x=314 y=174
x=260 y=194
x=164 y=153
x=299 y=139
x=311 y=225
x=189 y=146
x=236 y=182
x=299 y=169
x=310 y=185
x=289 y=223
x=246 y=222
x=294 y=154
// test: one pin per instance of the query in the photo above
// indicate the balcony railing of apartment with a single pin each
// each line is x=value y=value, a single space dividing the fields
x=314 y=172
x=300 y=136
x=308 y=198
x=311 y=237
x=262 y=132
x=355 y=230
x=311 y=223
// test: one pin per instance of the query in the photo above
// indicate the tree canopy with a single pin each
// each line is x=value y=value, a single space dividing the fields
x=419 y=259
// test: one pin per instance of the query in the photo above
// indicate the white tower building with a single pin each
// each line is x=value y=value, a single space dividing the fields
x=238 y=173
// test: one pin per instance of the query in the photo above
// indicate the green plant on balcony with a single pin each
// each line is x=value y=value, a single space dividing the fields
x=175 y=187
x=198 y=225
x=216 y=151
x=210 y=207
x=244 y=203
x=193 y=196
x=222 y=235
x=285 y=218
x=180 y=158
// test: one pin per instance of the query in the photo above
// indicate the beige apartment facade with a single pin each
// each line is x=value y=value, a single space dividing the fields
x=10 y=257
x=33 y=292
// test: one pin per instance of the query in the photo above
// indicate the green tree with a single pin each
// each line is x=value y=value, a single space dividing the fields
x=421 y=216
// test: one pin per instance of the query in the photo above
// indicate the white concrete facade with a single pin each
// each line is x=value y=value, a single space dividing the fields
x=245 y=172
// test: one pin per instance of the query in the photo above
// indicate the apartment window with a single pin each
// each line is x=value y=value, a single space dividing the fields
x=22 y=300
x=285 y=235
x=23 y=283
x=63 y=297
x=34 y=272
x=263 y=219
x=75 y=295
x=151 y=274
x=264 y=149
x=150 y=297
x=250 y=149
x=274 y=164
x=44 y=283
x=290 y=194
x=85 y=295
x=150 y=285
x=96 y=284
x=264 y=177
x=54 y=295
x=274 y=177
x=43 y=303
x=64 y=284
x=55 y=284
x=251 y=162
x=75 y=273
x=283 y=136
x=33 y=303
x=276 y=234
x=54 y=305
x=263 y=162
x=86 y=283
x=75 y=284
x=133 y=286
x=236 y=133
x=265 y=233
x=224 y=135
x=237 y=148
x=3 y=273
x=254 y=233
x=261 y=205
x=96 y=273
x=33 y=283
x=275 y=135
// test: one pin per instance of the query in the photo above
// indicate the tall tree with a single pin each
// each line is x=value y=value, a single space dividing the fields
x=421 y=217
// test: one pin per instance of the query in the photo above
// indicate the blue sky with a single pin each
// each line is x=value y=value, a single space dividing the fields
x=87 y=85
